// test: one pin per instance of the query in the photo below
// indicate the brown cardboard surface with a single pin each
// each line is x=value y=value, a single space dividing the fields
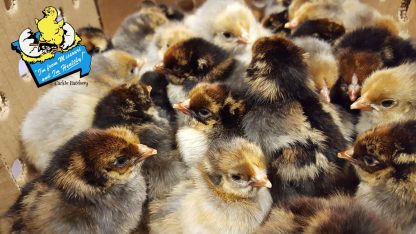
x=23 y=94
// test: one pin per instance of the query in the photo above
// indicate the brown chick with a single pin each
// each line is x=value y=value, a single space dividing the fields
x=387 y=95
x=384 y=158
x=93 y=185
x=322 y=65
x=335 y=215
x=136 y=31
x=216 y=113
x=227 y=193
x=94 y=39
x=298 y=133
x=363 y=51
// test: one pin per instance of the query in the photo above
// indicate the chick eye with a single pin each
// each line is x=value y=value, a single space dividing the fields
x=388 y=103
x=134 y=70
x=204 y=113
x=121 y=161
x=236 y=177
x=370 y=161
x=226 y=34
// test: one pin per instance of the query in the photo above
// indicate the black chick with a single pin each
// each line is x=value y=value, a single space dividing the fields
x=92 y=182
x=276 y=22
x=287 y=119
x=385 y=159
x=324 y=29
x=94 y=39
x=360 y=53
x=131 y=106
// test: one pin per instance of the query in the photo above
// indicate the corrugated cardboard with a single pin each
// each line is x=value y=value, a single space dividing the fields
x=23 y=94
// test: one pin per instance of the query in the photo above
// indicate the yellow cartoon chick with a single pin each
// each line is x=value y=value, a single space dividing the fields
x=50 y=30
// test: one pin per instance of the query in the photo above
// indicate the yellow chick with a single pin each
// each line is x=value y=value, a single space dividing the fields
x=51 y=31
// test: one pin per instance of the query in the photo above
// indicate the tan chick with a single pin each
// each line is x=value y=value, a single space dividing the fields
x=93 y=185
x=385 y=160
x=66 y=109
x=227 y=193
x=387 y=95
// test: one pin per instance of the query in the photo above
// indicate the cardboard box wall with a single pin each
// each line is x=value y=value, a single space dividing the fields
x=22 y=94
x=15 y=16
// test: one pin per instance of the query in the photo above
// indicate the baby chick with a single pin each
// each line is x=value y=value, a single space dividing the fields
x=227 y=193
x=361 y=52
x=94 y=39
x=322 y=65
x=192 y=61
x=93 y=185
x=324 y=29
x=50 y=30
x=296 y=131
x=335 y=215
x=216 y=114
x=131 y=106
x=229 y=24
x=137 y=30
x=69 y=109
x=384 y=158
x=387 y=95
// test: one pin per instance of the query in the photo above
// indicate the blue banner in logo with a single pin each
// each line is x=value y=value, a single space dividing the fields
x=62 y=64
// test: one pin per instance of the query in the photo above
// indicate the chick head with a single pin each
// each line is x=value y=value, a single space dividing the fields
x=50 y=11
x=389 y=93
x=324 y=74
x=212 y=104
x=170 y=34
x=324 y=29
x=235 y=170
x=102 y=158
x=191 y=61
x=386 y=155
x=231 y=28
x=116 y=65
x=277 y=70
x=354 y=68
x=94 y=40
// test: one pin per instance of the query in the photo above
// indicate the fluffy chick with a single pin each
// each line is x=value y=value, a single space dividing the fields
x=387 y=95
x=363 y=51
x=234 y=27
x=192 y=61
x=322 y=65
x=136 y=31
x=216 y=113
x=324 y=29
x=227 y=193
x=70 y=109
x=94 y=39
x=336 y=215
x=131 y=106
x=385 y=161
x=94 y=177
x=297 y=132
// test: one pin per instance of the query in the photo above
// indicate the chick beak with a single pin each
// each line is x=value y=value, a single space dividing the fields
x=362 y=103
x=325 y=94
x=261 y=180
x=292 y=24
x=145 y=151
x=347 y=154
x=354 y=88
x=159 y=68
x=183 y=107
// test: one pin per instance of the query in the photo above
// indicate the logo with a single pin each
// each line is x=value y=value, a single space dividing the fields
x=54 y=51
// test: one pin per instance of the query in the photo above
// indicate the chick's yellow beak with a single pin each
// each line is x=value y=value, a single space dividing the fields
x=145 y=151
x=362 y=103
x=183 y=107
x=260 y=180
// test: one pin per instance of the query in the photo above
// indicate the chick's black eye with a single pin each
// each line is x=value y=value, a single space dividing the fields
x=388 y=103
x=236 y=177
x=204 y=113
x=370 y=161
x=226 y=34
x=121 y=161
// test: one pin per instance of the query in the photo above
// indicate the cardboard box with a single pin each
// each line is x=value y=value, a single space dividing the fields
x=15 y=16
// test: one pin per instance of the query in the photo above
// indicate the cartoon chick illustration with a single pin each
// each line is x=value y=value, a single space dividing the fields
x=50 y=30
